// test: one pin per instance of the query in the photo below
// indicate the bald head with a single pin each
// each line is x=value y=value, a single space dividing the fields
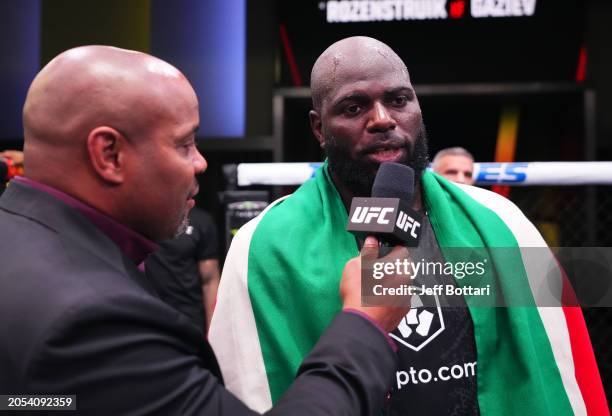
x=90 y=86
x=365 y=112
x=357 y=54
x=115 y=129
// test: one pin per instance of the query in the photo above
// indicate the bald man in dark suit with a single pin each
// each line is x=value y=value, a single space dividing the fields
x=111 y=165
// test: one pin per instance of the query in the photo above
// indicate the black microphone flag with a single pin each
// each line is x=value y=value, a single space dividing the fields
x=387 y=214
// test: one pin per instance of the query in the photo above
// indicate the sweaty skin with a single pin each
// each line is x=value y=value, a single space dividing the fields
x=122 y=125
x=363 y=101
x=358 y=54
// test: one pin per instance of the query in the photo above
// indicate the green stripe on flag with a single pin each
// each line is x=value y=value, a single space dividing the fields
x=296 y=259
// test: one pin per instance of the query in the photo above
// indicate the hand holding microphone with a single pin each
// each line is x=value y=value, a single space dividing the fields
x=388 y=316
x=386 y=218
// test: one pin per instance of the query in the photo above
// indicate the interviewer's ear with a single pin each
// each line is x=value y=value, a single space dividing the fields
x=316 y=126
x=105 y=147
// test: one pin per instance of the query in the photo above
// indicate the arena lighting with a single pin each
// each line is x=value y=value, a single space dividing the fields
x=513 y=174
x=344 y=11
x=212 y=55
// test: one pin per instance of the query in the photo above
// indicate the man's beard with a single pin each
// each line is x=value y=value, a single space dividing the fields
x=358 y=174
x=182 y=228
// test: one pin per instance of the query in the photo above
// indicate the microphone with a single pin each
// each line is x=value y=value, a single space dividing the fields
x=387 y=213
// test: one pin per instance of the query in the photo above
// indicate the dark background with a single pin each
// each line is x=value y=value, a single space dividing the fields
x=542 y=47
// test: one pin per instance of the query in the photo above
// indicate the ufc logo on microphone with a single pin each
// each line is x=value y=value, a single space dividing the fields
x=405 y=221
x=367 y=215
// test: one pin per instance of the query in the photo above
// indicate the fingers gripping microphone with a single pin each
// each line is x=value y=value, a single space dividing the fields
x=387 y=214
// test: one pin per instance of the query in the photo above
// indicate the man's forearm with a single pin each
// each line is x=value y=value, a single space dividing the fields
x=210 y=276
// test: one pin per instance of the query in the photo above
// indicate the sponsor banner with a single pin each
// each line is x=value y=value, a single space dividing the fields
x=544 y=173
x=445 y=373
x=346 y=11
x=399 y=278
x=513 y=174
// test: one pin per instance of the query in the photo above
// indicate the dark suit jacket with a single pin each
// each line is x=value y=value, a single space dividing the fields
x=79 y=318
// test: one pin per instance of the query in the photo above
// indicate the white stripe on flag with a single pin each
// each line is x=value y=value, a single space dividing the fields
x=233 y=331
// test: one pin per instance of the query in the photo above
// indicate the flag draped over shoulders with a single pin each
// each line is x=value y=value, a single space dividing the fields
x=279 y=291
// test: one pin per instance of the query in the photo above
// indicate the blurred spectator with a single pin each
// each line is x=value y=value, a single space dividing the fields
x=11 y=165
x=185 y=270
x=455 y=164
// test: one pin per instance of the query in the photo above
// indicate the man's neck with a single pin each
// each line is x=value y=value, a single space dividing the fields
x=136 y=246
x=347 y=195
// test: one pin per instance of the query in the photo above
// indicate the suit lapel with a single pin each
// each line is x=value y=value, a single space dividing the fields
x=47 y=210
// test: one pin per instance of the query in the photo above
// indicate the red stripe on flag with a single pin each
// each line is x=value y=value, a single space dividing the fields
x=585 y=366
